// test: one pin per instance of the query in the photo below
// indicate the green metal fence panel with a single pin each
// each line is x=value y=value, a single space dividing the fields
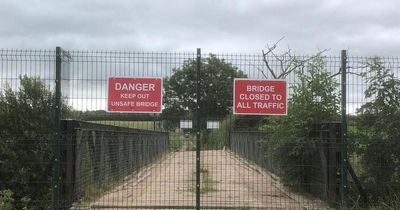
x=100 y=157
x=336 y=148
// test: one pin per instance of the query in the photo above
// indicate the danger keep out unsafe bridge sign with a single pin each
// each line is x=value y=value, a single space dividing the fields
x=137 y=95
x=259 y=97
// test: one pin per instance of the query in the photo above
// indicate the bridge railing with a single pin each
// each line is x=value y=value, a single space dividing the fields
x=249 y=145
x=323 y=179
x=97 y=157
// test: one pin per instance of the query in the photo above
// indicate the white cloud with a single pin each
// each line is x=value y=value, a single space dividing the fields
x=364 y=27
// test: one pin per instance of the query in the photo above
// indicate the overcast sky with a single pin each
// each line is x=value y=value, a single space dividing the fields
x=364 y=27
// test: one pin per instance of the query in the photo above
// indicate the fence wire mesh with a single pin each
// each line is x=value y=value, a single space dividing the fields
x=148 y=161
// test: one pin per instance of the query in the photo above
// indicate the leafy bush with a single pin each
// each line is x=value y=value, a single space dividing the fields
x=313 y=100
x=378 y=136
x=26 y=135
x=6 y=200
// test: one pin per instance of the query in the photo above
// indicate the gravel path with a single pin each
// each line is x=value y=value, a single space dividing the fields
x=229 y=182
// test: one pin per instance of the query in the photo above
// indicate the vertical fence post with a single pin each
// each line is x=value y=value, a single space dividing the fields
x=57 y=132
x=344 y=130
x=198 y=66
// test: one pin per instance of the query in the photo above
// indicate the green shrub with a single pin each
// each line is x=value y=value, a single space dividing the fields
x=6 y=200
x=26 y=135
x=314 y=99
x=378 y=132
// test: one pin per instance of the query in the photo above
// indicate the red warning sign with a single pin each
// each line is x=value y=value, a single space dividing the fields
x=137 y=95
x=259 y=97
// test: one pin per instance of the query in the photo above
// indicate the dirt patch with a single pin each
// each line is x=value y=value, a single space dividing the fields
x=228 y=182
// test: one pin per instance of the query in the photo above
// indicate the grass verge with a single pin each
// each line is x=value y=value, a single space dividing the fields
x=207 y=185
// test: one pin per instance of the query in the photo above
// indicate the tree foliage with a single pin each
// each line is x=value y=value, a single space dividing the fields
x=313 y=100
x=379 y=126
x=215 y=86
x=26 y=135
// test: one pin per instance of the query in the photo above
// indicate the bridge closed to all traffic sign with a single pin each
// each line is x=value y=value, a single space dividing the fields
x=137 y=95
x=259 y=97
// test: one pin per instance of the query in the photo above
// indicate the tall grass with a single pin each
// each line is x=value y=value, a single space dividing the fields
x=392 y=203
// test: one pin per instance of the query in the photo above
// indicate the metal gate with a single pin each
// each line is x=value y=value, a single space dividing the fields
x=193 y=155
x=196 y=153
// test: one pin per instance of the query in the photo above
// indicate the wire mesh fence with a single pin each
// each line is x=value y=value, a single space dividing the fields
x=373 y=129
x=26 y=158
x=102 y=159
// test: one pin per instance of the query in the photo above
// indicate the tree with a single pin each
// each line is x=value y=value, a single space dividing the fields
x=215 y=86
x=285 y=63
x=26 y=135
x=314 y=99
x=379 y=126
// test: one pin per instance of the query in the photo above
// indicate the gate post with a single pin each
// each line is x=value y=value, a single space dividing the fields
x=57 y=133
x=343 y=185
x=198 y=114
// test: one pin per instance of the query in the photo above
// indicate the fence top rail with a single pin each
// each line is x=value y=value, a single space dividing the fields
x=26 y=52
x=76 y=124
x=77 y=52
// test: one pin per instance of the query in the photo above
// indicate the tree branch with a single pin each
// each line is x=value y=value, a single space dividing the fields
x=267 y=64
x=287 y=62
x=262 y=72
x=362 y=74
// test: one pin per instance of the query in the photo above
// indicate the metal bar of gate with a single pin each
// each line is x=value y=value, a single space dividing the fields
x=198 y=66
x=57 y=132
x=344 y=129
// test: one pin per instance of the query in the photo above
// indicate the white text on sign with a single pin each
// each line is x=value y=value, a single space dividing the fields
x=259 y=97
x=134 y=86
x=140 y=95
